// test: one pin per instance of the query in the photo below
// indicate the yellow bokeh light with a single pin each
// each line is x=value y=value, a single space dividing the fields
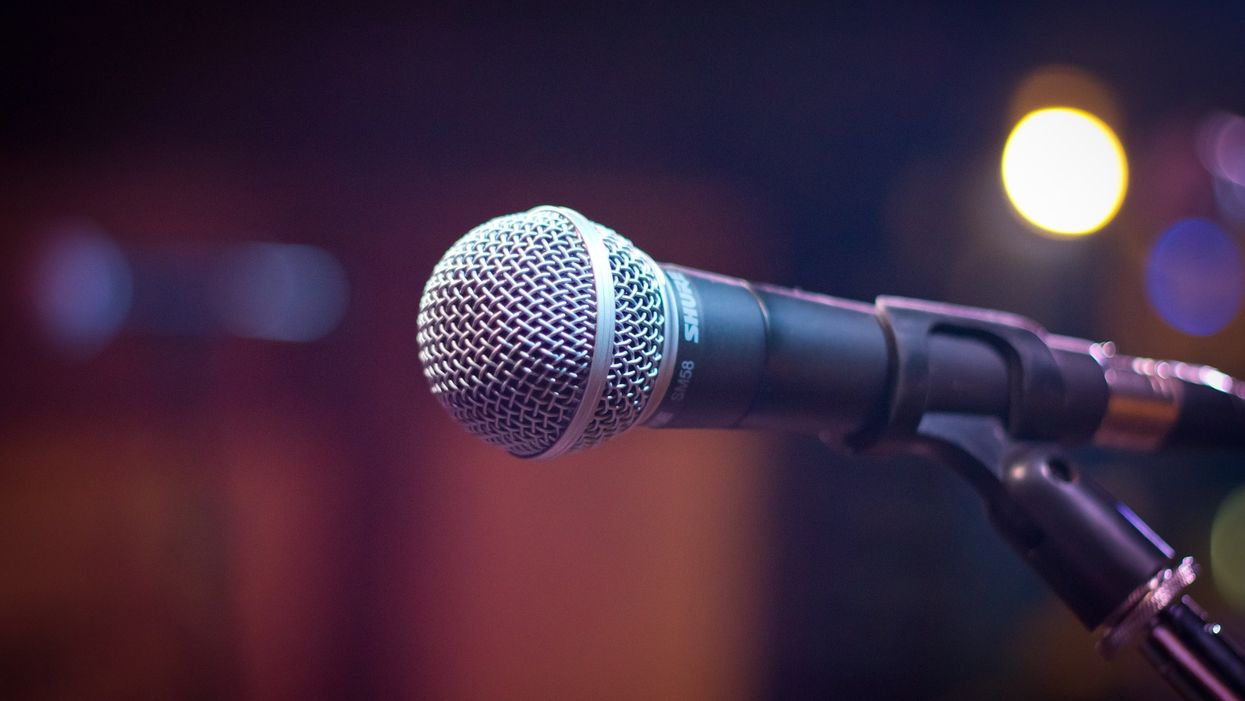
x=1227 y=548
x=1065 y=171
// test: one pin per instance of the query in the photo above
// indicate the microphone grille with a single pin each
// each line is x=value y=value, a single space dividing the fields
x=508 y=328
x=639 y=340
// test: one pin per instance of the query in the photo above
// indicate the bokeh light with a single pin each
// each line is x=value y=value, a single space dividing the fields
x=1195 y=278
x=1231 y=199
x=1227 y=548
x=1060 y=85
x=1064 y=171
x=280 y=292
x=1221 y=148
x=82 y=289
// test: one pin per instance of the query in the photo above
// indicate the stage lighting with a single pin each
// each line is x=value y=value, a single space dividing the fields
x=1064 y=171
x=1195 y=277
x=1227 y=548
x=280 y=291
x=82 y=288
x=1221 y=147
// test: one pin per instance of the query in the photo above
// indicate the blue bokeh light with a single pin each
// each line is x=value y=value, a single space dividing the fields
x=280 y=291
x=83 y=288
x=1195 y=278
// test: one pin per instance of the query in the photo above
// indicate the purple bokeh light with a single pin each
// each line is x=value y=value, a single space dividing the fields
x=1194 y=277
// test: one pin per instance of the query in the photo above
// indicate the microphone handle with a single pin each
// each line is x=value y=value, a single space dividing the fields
x=758 y=356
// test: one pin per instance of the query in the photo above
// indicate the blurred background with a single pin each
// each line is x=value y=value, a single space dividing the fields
x=223 y=475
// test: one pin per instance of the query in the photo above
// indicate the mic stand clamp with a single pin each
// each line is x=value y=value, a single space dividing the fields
x=1115 y=573
x=1134 y=618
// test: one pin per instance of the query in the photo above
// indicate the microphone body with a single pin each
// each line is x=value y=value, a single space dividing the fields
x=672 y=347
x=762 y=357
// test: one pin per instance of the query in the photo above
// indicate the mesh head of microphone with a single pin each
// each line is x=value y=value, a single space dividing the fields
x=508 y=332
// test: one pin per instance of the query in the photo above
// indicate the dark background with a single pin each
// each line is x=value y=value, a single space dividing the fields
x=189 y=514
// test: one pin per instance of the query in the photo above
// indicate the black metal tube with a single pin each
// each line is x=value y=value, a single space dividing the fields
x=827 y=366
x=1194 y=656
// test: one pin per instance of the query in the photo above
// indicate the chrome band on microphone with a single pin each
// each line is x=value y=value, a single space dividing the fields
x=603 y=344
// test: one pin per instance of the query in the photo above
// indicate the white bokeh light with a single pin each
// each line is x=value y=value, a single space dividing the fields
x=1064 y=171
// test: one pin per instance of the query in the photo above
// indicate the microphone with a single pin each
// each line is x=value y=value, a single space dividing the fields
x=543 y=332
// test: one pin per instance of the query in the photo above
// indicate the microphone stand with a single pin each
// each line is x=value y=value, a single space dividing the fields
x=1115 y=573
x=1104 y=562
